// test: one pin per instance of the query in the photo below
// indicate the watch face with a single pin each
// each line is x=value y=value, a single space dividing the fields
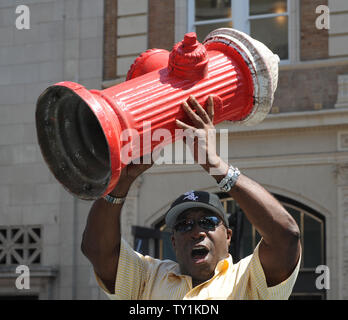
x=230 y=180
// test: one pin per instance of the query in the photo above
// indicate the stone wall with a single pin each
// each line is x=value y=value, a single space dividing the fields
x=310 y=87
x=64 y=42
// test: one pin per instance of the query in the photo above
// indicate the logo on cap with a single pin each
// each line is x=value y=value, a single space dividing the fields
x=190 y=195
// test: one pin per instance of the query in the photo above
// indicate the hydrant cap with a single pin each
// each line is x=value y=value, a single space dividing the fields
x=189 y=58
x=190 y=39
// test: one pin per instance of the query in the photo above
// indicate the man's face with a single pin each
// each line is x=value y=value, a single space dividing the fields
x=198 y=251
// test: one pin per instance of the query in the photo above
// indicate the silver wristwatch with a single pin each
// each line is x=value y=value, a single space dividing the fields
x=230 y=179
x=114 y=200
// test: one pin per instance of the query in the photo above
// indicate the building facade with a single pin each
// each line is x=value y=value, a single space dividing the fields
x=299 y=152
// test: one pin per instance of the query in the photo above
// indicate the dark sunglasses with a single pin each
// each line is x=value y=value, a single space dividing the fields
x=207 y=223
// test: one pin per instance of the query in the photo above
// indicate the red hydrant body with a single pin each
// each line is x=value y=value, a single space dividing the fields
x=79 y=130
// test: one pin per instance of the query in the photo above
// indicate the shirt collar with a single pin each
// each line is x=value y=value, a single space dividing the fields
x=223 y=265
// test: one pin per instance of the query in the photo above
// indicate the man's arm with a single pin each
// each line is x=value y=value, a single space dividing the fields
x=280 y=248
x=101 y=239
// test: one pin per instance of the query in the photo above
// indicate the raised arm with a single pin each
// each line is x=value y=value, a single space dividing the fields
x=280 y=248
x=102 y=236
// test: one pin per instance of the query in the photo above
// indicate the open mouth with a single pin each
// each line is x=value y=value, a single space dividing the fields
x=199 y=253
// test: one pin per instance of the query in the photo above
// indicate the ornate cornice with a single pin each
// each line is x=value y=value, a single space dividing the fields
x=341 y=172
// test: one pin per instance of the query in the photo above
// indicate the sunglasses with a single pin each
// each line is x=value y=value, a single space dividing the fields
x=207 y=223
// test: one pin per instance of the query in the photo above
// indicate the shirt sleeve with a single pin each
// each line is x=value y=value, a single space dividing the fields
x=258 y=288
x=131 y=275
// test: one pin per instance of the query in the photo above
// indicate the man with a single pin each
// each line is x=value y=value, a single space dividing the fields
x=201 y=237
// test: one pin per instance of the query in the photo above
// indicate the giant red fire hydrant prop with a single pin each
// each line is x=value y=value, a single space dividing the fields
x=79 y=130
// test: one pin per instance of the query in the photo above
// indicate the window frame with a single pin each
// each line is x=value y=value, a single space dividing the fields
x=241 y=21
x=303 y=212
x=192 y=13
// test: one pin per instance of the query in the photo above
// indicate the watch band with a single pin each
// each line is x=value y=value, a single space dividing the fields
x=114 y=200
x=230 y=179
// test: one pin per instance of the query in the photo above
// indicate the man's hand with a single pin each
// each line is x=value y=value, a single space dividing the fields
x=202 y=140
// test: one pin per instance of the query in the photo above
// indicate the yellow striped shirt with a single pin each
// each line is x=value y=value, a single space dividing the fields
x=146 y=278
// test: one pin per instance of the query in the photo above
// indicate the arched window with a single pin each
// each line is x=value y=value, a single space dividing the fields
x=312 y=228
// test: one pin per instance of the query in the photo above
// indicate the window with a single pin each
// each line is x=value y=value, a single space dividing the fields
x=209 y=15
x=312 y=236
x=269 y=23
x=147 y=241
x=20 y=245
x=244 y=236
x=265 y=20
x=312 y=228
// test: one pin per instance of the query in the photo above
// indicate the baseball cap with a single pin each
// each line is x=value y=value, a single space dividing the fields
x=195 y=199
